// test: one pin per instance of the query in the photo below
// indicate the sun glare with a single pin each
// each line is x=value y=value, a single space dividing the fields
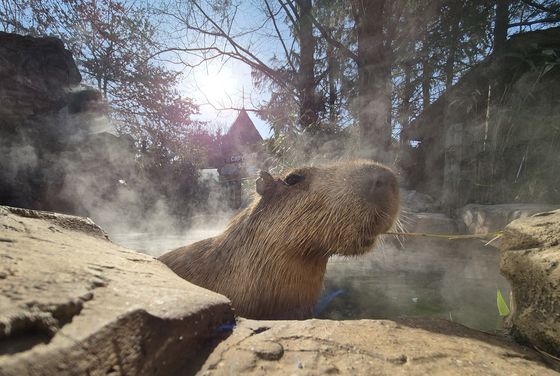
x=221 y=88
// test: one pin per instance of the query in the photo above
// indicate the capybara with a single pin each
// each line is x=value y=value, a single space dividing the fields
x=271 y=260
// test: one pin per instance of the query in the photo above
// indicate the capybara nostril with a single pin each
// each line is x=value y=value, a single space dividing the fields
x=377 y=184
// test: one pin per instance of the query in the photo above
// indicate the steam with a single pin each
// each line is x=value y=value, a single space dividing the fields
x=68 y=162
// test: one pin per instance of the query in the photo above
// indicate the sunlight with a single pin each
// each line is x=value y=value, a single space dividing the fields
x=219 y=87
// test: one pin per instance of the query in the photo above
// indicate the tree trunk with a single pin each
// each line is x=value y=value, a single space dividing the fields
x=427 y=71
x=306 y=73
x=449 y=67
x=406 y=99
x=374 y=79
x=332 y=66
x=501 y=24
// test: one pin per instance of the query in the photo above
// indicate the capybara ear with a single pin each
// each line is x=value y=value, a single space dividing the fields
x=264 y=183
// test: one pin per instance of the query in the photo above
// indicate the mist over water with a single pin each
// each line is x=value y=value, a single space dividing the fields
x=453 y=280
x=156 y=243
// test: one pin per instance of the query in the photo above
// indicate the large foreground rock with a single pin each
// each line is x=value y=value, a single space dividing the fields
x=73 y=303
x=366 y=347
x=531 y=261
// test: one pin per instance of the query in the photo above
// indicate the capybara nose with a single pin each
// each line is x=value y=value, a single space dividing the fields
x=378 y=184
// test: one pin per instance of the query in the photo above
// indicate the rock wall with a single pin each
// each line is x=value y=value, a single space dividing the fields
x=35 y=74
x=45 y=112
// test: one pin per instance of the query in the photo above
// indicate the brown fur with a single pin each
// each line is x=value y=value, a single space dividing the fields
x=271 y=260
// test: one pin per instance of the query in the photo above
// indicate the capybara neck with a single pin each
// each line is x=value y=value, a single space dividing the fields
x=271 y=260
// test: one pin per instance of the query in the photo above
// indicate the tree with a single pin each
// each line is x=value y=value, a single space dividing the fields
x=213 y=32
x=374 y=75
x=501 y=24
x=113 y=42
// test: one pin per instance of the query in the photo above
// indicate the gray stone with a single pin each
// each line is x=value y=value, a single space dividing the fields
x=368 y=347
x=481 y=219
x=530 y=259
x=73 y=303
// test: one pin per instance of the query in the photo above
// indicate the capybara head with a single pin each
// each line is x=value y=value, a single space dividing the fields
x=337 y=209
x=271 y=260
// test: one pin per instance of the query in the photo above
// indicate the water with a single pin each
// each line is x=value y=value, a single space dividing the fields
x=455 y=280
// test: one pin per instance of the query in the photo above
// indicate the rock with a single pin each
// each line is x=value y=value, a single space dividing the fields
x=415 y=202
x=73 y=303
x=530 y=259
x=44 y=113
x=367 y=347
x=35 y=74
x=480 y=219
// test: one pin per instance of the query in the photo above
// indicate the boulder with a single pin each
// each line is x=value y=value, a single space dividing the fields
x=73 y=303
x=44 y=113
x=367 y=347
x=530 y=259
x=35 y=74
x=481 y=219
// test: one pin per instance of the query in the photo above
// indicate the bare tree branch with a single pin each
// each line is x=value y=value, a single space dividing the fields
x=533 y=22
x=540 y=6
x=243 y=54
x=273 y=18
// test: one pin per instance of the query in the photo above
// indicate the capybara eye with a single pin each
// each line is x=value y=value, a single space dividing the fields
x=293 y=179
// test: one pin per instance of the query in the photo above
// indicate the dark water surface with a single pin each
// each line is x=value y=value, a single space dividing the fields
x=452 y=279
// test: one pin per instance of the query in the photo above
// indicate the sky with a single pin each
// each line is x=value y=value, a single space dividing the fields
x=221 y=84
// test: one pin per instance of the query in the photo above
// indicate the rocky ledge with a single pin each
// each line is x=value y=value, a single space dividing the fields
x=531 y=261
x=367 y=347
x=73 y=303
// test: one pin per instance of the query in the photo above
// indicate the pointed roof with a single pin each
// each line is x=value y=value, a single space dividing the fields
x=243 y=132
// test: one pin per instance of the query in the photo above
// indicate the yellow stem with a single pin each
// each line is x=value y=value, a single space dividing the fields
x=493 y=235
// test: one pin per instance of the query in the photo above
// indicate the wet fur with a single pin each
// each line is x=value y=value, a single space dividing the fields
x=271 y=260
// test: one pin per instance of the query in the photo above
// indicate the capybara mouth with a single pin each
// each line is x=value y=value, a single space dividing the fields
x=379 y=221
